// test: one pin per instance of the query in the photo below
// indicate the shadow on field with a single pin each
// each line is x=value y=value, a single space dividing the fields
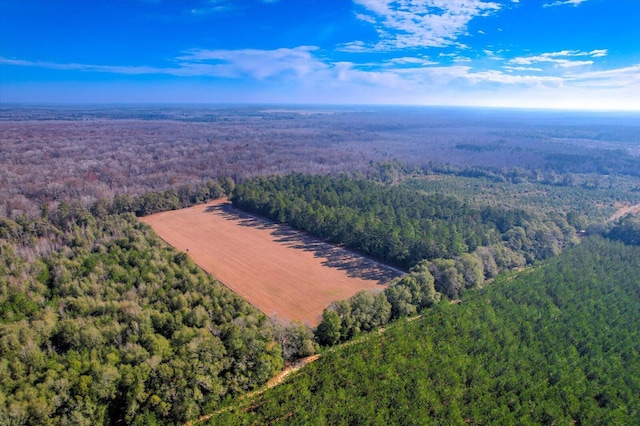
x=354 y=264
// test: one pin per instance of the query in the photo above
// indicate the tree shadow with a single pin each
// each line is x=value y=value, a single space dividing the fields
x=354 y=264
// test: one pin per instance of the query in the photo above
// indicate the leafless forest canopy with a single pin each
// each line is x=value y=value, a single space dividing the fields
x=51 y=154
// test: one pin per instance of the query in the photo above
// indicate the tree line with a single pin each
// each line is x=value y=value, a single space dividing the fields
x=399 y=225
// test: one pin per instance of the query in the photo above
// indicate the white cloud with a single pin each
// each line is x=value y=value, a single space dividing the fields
x=455 y=57
x=598 y=53
x=563 y=63
x=347 y=72
x=560 y=59
x=623 y=78
x=353 y=47
x=257 y=64
x=413 y=79
x=521 y=68
x=564 y=2
x=365 y=18
x=114 y=69
x=409 y=60
x=594 y=53
x=492 y=55
x=494 y=76
x=420 y=23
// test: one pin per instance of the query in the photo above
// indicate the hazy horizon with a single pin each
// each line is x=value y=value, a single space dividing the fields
x=559 y=55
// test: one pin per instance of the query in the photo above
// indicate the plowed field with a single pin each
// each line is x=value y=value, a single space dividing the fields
x=278 y=270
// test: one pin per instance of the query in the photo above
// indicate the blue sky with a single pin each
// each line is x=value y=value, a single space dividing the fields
x=574 y=54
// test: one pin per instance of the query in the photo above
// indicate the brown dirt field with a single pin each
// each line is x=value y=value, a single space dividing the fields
x=278 y=270
x=624 y=210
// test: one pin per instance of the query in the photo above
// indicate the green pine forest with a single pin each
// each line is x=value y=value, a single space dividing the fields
x=404 y=226
x=555 y=344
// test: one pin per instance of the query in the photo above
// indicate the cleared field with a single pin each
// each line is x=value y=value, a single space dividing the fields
x=278 y=270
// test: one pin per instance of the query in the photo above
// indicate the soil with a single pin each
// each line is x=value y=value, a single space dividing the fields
x=282 y=272
x=623 y=211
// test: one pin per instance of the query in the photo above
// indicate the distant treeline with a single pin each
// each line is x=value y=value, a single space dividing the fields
x=160 y=201
x=393 y=171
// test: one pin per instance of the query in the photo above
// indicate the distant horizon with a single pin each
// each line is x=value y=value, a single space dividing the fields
x=531 y=54
x=284 y=105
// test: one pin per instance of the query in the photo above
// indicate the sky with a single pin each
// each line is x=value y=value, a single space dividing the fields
x=560 y=54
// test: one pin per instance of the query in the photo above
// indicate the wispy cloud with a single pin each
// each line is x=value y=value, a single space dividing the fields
x=598 y=53
x=409 y=60
x=492 y=55
x=564 y=2
x=419 y=23
x=404 y=77
x=455 y=57
x=357 y=46
x=254 y=63
x=560 y=59
x=511 y=68
x=623 y=78
x=115 y=69
x=210 y=7
x=494 y=76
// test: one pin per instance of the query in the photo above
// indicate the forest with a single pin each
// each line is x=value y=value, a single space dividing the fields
x=510 y=225
x=403 y=226
x=449 y=244
x=103 y=323
x=557 y=344
x=87 y=153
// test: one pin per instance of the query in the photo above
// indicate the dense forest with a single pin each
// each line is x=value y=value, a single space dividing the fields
x=557 y=344
x=103 y=323
x=402 y=226
x=625 y=229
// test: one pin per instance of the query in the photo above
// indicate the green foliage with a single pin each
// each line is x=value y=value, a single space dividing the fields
x=345 y=319
x=591 y=198
x=328 y=331
x=296 y=340
x=17 y=307
x=413 y=292
x=556 y=344
x=626 y=229
x=451 y=246
x=103 y=323
x=152 y=202
x=399 y=225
